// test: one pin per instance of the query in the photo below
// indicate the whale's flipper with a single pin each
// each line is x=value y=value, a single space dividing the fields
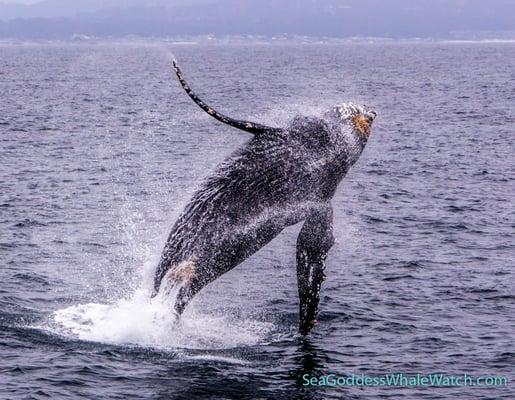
x=246 y=126
x=314 y=241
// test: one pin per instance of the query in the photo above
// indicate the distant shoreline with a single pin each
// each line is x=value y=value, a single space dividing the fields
x=246 y=40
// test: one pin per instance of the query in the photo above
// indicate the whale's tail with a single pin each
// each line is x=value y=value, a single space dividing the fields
x=246 y=126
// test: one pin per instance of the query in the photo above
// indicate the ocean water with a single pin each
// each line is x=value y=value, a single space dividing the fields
x=100 y=149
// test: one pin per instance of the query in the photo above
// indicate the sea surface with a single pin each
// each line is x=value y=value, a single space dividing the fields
x=100 y=149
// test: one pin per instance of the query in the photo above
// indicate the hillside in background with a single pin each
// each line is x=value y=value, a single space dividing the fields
x=458 y=19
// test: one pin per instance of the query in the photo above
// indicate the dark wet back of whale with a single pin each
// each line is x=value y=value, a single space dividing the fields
x=270 y=180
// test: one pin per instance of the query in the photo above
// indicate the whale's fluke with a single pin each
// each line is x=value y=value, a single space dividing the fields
x=246 y=126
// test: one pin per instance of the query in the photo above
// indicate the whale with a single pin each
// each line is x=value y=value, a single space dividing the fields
x=282 y=176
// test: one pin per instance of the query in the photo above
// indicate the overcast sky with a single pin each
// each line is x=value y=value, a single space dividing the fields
x=20 y=1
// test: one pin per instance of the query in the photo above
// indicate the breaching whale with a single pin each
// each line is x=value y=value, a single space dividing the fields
x=282 y=176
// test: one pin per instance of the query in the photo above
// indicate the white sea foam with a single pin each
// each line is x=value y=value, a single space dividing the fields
x=142 y=321
x=139 y=320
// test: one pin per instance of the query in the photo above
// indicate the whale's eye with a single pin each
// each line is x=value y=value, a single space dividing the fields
x=363 y=124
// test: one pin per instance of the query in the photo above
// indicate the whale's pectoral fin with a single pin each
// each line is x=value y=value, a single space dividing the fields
x=246 y=126
x=314 y=241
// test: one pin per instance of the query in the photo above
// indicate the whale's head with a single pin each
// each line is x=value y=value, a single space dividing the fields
x=351 y=119
x=349 y=126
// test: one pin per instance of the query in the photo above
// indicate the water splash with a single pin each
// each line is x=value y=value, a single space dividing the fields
x=142 y=321
x=136 y=319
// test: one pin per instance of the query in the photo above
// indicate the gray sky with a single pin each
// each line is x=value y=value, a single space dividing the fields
x=19 y=1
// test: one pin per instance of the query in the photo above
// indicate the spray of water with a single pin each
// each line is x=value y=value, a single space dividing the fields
x=150 y=322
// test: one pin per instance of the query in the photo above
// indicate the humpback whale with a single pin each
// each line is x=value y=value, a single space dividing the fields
x=281 y=177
